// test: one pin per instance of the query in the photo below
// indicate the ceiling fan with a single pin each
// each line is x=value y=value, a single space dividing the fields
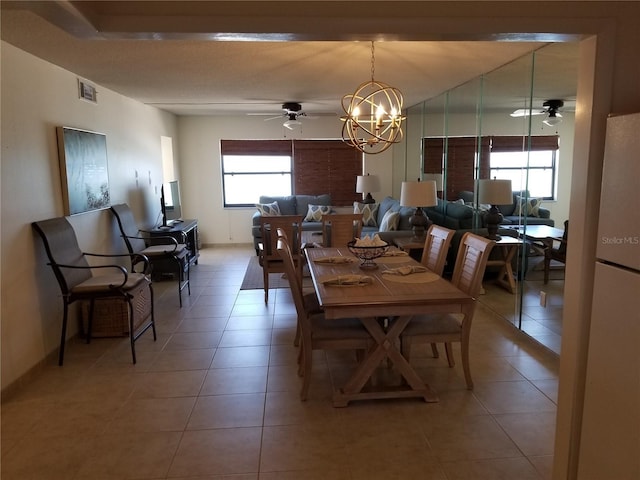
x=291 y=112
x=549 y=108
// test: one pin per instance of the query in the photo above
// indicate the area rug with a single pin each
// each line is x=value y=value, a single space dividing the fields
x=253 y=278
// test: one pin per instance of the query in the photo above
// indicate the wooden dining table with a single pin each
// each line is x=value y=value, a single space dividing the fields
x=385 y=307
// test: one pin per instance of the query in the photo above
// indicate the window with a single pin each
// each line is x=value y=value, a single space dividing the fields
x=253 y=168
x=513 y=166
x=246 y=177
x=510 y=161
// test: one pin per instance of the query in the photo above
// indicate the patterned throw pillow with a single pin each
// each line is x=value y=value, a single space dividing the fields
x=268 y=209
x=315 y=212
x=390 y=221
x=527 y=208
x=369 y=213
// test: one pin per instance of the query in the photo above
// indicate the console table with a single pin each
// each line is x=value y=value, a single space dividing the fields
x=183 y=231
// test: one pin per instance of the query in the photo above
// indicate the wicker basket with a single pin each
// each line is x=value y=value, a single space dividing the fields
x=111 y=315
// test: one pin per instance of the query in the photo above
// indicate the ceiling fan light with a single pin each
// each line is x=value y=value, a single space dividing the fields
x=291 y=123
x=553 y=119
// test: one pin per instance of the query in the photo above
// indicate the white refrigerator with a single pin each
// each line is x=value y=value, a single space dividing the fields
x=610 y=439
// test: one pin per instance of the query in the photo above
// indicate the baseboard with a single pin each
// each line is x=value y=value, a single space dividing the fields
x=228 y=245
x=28 y=377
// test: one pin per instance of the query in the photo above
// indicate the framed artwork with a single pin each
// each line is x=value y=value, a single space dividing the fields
x=83 y=169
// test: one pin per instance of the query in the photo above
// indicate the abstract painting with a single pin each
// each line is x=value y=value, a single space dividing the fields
x=84 y=170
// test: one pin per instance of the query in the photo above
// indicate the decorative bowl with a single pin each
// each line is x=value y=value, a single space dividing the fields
x=367 y=253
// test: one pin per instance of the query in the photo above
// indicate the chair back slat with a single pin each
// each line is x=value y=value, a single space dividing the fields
x=471 y=262
x=291 y=225
x=436 y=247
x=338 y=229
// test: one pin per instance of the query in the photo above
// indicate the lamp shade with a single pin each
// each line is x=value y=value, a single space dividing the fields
x=418 y=194
x=436 y=177
x=367 y=183
x=495 y=192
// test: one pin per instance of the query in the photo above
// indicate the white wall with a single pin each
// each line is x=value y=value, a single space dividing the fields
x=36 y=97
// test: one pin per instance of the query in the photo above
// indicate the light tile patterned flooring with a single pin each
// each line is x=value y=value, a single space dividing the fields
x=216 y=397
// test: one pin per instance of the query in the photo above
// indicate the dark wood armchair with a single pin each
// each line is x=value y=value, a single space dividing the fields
x=553 y=252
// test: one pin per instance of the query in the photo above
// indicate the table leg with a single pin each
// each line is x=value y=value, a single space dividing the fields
x=385 y=347
x=505 y=277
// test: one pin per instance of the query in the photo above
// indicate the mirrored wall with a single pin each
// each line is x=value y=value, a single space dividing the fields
x=500 y=126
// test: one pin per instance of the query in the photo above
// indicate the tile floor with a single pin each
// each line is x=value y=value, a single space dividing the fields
x=216 y=397
x=544 y=324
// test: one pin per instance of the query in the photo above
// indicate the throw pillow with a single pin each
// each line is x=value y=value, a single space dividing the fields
x=369 y=213
x=268 y=209
x=315 y=212
x=390 y=221
x=527 y=208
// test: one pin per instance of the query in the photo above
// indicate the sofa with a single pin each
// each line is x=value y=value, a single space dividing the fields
x=537 y=215
x=447 y=214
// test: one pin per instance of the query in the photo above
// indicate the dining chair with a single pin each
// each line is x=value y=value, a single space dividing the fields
x=436 y=248
x=468 y=271
x=317 y=333
x=310 y=299
x=434 y=255
x=167 y=250
x=77 y=282
x=338 y=229
x=269 y=259
x=551 y=252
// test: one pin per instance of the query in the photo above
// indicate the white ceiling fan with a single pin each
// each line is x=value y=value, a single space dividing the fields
x=549 y=108
x=292 y=113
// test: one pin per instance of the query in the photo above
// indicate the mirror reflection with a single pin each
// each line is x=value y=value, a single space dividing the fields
x=514 y=127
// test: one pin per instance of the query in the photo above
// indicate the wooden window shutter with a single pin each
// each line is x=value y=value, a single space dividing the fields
x=461 y=154
x=520 y=143
x=255 y=147
x=326 y=166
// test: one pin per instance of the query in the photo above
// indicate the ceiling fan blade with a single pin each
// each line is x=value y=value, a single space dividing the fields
x=525 y=112
x=272 y=118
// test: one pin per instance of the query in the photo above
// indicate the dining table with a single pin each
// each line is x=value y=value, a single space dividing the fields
x=392 y=292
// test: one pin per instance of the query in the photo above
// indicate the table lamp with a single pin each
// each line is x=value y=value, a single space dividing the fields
x=419 y=194
x=367 y=184
x=494 y=192
x=436 y=177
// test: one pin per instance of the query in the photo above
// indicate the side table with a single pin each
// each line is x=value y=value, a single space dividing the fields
x=407 y=244
x=508 y=247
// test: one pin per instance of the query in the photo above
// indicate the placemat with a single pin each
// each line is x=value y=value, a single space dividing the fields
x=422 y=277
x=390 y=260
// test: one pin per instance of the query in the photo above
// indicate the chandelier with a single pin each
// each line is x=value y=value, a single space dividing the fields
x=373 y=120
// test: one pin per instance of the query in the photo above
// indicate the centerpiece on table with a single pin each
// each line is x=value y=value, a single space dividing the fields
x=367 y=249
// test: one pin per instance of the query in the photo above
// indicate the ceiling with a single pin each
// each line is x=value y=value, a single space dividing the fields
x=175 y=56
